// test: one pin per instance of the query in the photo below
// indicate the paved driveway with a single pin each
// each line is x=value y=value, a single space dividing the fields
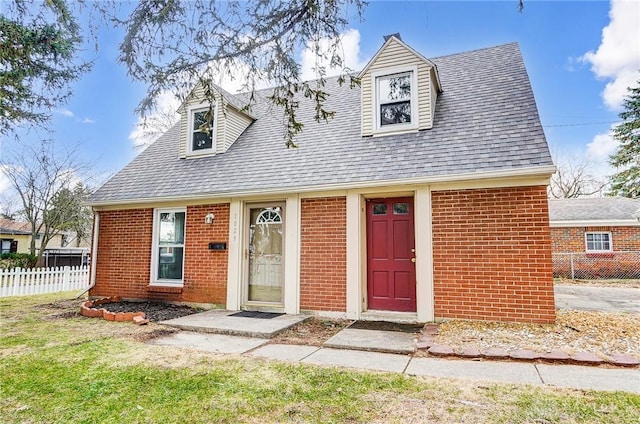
x=607 y=299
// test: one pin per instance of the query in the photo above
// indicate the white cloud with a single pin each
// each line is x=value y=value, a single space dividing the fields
x=66 y=112
x=618 y=56
x=147 y=130
x=88 y=121
x=233 y=79
x=598 y=152
x=601 y=147
x=350 y=53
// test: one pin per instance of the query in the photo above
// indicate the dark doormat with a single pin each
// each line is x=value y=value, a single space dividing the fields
x=256 y=314
x=387 y=326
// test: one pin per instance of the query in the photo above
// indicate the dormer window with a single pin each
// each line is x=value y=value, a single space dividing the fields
x=201 y=130
x=396 y=99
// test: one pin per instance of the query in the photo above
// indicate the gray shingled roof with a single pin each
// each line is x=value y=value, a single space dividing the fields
x=596 y=209
x=486 y=120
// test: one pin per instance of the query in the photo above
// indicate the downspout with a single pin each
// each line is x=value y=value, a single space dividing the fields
x=94 y=253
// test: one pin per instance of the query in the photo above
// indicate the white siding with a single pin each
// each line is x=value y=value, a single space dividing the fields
x=392 y=55
x=229 y=123
x=221 y=124
x=235 y=124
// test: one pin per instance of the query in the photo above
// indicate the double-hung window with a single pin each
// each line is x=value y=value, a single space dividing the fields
x=168 y=246
x=5 y=246
x=598 y=242
x=395 y=103
x=201 y=130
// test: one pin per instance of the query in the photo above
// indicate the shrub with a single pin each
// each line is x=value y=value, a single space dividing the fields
x=17 y=260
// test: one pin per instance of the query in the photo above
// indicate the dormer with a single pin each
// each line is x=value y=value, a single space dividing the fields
x=399 y=89
x=225 y=119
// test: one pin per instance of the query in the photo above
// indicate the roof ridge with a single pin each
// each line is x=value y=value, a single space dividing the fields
x=512 y=43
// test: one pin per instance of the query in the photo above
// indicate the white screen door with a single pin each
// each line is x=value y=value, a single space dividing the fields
x=266 y=225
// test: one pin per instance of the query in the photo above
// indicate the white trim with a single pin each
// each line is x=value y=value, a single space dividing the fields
x=608 y=233
x=425 y=307
x=155 y=281
x=94 y=249
x=291 y=281
x=354 y=255
x=377 y=128
x=244 y=280
x=471 y=177
x=408 y=47
x=357 y=256
x=596 y=223
x=214 y=142
x=234 y=261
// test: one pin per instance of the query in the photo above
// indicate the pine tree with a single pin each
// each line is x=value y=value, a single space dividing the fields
x=40 y=47
x=626 y=181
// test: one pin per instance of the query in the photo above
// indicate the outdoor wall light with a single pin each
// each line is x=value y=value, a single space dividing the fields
x=208 y=219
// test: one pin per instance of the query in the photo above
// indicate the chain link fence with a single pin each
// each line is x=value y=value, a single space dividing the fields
x=594 y=266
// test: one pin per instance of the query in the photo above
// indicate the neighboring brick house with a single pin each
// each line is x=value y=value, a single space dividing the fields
x=423 y=199
x=595 y=237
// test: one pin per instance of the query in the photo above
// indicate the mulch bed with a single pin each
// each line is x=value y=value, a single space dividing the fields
x=313 y=331
x=154 y=311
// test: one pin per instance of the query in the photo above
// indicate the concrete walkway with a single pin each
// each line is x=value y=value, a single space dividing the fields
x=570 y=376
x=606 y=299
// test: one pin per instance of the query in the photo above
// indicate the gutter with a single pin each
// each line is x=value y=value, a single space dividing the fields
x=595 y=223
x=94 y=253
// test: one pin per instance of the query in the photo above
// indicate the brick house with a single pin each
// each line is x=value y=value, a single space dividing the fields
x=596 y=238
x=423 y=199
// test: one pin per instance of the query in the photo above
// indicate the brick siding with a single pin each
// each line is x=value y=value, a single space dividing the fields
x=124 y=256
x=323 y=254
x=205 y=271
x=492 y=255
x=571 y=239
x=124 y=253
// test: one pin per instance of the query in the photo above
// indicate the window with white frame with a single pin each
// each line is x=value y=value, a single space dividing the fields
x=168 y=246
x=201 y=130
x=396 y=105
x=598 y=242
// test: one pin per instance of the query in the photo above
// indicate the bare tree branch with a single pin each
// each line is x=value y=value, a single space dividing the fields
x=172 y=44
x=573 y=178
x=39 y=174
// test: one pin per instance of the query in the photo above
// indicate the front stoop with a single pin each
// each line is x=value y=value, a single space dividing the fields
x=221 y=322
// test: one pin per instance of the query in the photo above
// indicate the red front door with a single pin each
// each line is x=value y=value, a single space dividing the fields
x=391 y=271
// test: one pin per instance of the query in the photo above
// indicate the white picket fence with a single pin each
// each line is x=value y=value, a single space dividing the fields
x=23 y=282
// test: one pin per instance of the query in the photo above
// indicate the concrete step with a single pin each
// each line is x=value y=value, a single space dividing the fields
x=221 y=322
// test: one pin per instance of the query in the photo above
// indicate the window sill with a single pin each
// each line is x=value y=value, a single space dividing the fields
x=156 y=288
x=393 y=131
x=600 y=254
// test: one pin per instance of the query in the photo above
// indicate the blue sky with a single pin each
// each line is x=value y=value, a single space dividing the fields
x=578 y=96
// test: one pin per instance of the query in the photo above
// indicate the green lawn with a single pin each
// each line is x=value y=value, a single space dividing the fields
x=56 y=366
